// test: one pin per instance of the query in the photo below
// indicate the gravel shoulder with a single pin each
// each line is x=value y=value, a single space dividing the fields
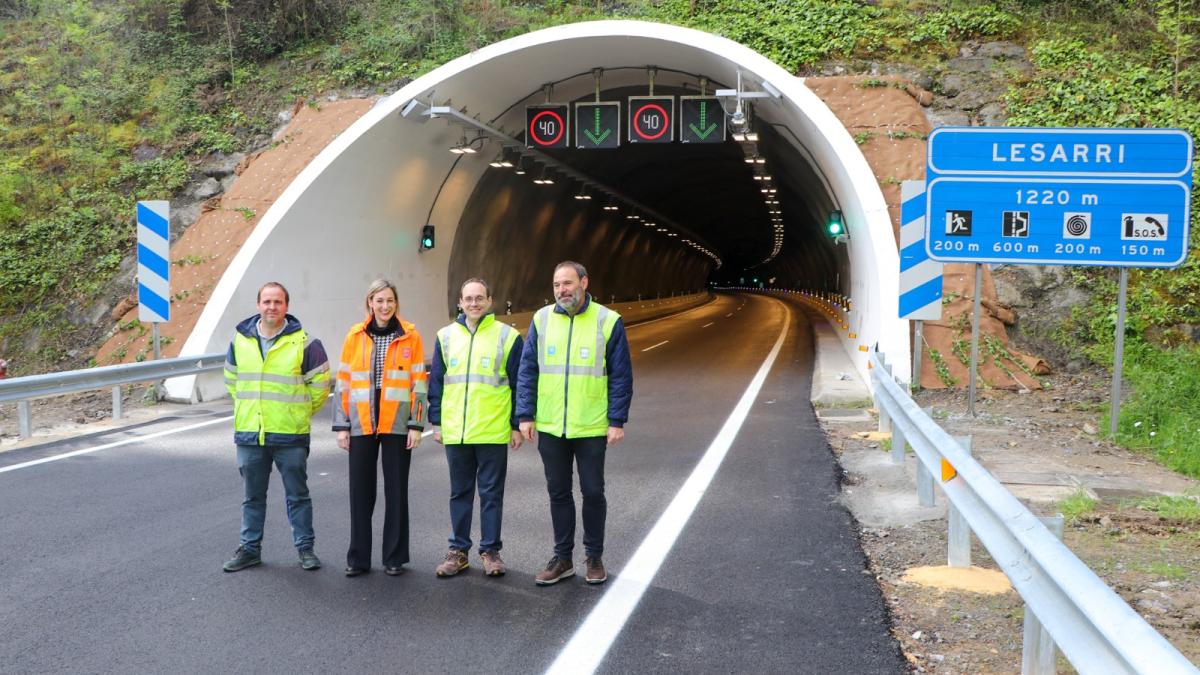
x=1044 y=447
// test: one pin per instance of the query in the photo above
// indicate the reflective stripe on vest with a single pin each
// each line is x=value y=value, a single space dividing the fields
x=403 y=380
x=476 y=393
x=271 y=395
x=572 y=371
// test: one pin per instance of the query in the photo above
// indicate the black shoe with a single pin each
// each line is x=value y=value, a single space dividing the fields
x=355 y=571
x=241 y=560
x=309 y=560
x=393 y=570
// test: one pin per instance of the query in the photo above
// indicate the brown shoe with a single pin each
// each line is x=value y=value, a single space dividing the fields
x=493 y=566
x=556 y=570
x=455 y=562
x=595 y=571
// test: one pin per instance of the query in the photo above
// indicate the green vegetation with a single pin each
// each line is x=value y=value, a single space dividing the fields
x=1181 y=507
x=1079 y=504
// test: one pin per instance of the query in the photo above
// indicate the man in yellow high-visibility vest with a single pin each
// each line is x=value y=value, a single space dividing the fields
x=471 y=405
x=278 y=377
x=574 y=389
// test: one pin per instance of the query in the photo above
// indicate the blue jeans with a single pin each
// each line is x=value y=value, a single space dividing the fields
x=254 y=463
x=489 y=464
x=588 y=455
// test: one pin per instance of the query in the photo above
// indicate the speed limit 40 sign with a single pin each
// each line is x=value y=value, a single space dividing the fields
x=546 y=126
x=651 y=119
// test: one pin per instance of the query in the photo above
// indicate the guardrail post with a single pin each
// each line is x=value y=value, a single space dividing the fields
x=924 y=478
x=898 y=444
x=1038 y=656
x=24 y=421
x=116 y=399
x=885 y=422
x=958 y=535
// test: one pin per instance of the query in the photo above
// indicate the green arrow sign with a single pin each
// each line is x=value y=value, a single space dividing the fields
x=702 y=120
x=596 y=125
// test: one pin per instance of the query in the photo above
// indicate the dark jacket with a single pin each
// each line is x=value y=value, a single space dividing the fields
x=618 y=367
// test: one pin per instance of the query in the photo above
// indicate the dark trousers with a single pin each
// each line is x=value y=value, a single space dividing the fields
x=487 y=463
x=588 y=455
x=364 y=455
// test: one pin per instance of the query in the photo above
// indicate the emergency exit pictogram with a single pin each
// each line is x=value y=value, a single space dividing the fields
x=651 y=119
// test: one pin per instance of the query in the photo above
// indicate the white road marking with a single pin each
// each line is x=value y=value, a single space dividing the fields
x=708 y=324
x=729 y=315
x=114 y=444
x=126 y=441
x=657 y=345
x=592 y=640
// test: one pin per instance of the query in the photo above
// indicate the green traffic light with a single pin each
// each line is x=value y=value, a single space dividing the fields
x=835 y=223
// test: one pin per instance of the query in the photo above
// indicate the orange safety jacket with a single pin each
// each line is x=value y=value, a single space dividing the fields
x=403 y=391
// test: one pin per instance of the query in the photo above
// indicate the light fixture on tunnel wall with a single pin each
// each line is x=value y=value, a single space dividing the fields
x=501 y=161
x=519 y=168
x=583 y=193
x=463 y=147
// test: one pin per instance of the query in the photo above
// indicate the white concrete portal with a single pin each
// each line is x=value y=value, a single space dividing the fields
x=356 y=212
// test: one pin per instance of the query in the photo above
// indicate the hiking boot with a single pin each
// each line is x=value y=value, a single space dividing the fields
x=556 y=570
x=493 y=566
x=596 y=573
x=241 y=560
x=309 y=560
x=455 y=562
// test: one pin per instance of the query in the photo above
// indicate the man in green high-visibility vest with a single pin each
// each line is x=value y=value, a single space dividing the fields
x=574 y=388
x=471 y=405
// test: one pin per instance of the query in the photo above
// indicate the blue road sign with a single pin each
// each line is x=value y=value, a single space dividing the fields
x=1113 y=197
x=153 y=257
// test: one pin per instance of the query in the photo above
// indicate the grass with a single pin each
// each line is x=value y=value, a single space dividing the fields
x=1162 y=416
x=1079 y=504
x=1180 y=507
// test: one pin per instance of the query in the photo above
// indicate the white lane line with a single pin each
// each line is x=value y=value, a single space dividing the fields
x=708 y=324
x=127 y=441
x=657 y=345
x=729 y=315
x=592 y=640
x=114 y=444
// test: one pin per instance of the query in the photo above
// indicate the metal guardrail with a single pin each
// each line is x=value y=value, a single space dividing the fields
x=1095 y=629
x=23 y=389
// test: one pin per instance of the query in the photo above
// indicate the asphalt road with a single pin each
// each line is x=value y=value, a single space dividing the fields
x=110 y=561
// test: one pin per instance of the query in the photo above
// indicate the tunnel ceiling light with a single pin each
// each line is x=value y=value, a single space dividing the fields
x=672 y=234
x=519 y=169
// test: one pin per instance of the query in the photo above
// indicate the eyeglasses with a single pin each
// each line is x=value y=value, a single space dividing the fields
x=477 y=300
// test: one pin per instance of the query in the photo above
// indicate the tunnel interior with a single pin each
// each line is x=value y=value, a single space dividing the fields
x=758 y=205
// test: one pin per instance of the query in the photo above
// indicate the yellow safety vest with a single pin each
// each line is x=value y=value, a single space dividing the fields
x=476 y=393
x=271 y=396
x=572 y=397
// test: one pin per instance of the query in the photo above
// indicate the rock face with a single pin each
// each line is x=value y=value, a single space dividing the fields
x=970 y=88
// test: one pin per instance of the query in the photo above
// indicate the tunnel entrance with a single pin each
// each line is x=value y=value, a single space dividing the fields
x=358 y=210
x=758 y=205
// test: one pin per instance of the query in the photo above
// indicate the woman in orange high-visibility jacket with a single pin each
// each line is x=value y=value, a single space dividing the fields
x=381 y=404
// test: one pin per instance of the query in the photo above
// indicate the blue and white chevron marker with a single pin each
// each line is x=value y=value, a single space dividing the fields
x=154 y=261
x=920 y=277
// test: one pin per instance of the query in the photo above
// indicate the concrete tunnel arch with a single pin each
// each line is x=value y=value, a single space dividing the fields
x=355 y=212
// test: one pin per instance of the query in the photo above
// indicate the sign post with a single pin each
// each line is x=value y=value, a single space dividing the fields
x=1108 y=197
x=154 y=265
